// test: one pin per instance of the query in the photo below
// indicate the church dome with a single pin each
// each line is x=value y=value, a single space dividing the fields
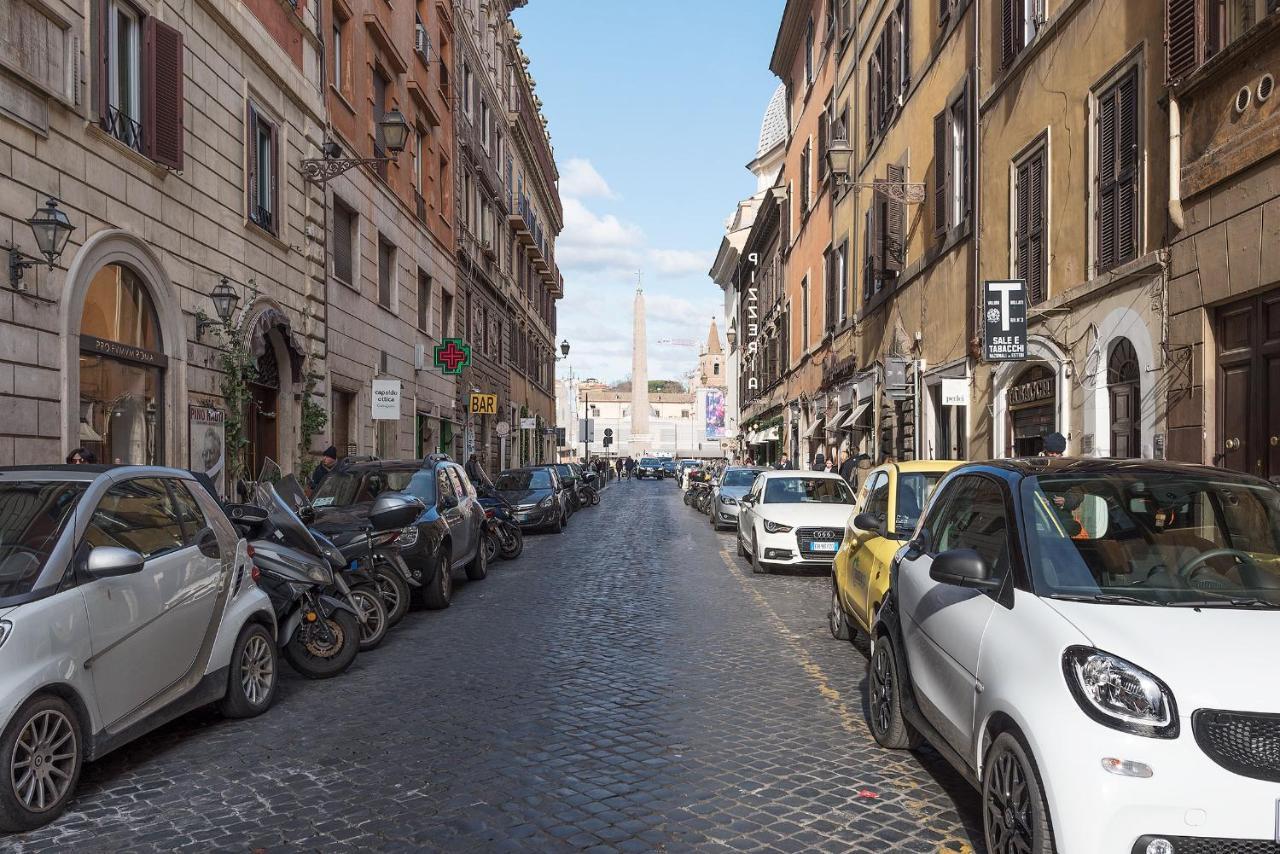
x=773 y=129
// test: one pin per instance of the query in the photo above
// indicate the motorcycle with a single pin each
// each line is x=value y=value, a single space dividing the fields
x=587 y=495
x=503 y=537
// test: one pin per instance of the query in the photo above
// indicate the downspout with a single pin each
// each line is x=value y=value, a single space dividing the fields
x=1176 y=214
x=976 y=189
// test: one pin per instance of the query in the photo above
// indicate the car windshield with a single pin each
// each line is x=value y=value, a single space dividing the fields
x=342 y=489
x=564 y=471
x=1163 y=538
x=513 y=481
x=807 y=490
x=651 y=462
x=738 y=477
x=914 y=490
x=32 y=516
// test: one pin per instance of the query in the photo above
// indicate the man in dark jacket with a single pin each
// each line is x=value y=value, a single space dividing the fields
x=328 y=460
x=475 y=472
x=848 y=468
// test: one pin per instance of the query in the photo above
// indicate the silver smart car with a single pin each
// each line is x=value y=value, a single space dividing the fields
x=126 y=600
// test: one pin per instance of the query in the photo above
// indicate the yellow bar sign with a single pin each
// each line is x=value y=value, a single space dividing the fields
x=484 y=404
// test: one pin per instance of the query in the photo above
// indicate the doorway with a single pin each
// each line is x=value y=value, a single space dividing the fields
x=1249 y=385
x=1032 y=402
x=262 y=418
x=1124 y=390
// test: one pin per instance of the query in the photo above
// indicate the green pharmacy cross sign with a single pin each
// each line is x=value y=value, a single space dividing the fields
x=452 y=356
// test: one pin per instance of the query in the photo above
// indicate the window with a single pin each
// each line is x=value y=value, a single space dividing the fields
x=1020 y=20
x=808 y=52
x=804 y=316
x=842 y=279
x=824 y=131
x=468 y=83
x=137 y=514
x=195 y=528
x=386 y=271
x=419 y=165
x=446 y=314
x=830 y=286
x=379 y=110
x=424 y=302
x=889 y=71
x=502 y=340
x=1197 y=30
x=338 y=60
x=442 y=188
x=484 y=124
x=139 y=82
x=1030 y=214
x=877 y=502
x=806 y=168
x=344 y=238
x=972 y=515
x=263 y=181
x=951 y=165
x=1116 y=173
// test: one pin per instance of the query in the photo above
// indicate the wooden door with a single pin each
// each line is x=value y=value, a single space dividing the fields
x=1124 y=388
x=1249 y=385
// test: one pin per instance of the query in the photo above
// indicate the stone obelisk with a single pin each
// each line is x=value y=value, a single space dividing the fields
x=640 y=438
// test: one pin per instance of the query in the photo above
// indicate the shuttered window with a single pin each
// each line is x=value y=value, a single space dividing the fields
x=951 y=154
x=1019 y=22
x=162 y=85
x=386 y=271
x=941 y=174
x=831 y=289
x=1030 y=221
x=894 y=246
x=424 y=302
x=344 y=238
x=806 y=157
x=139 y=83
x=1116 y=179
x=262 y=171
x=871 y=258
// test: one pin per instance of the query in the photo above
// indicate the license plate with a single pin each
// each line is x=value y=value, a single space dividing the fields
x=824 y=547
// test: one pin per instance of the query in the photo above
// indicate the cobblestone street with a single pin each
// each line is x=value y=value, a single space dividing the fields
x=627 y=685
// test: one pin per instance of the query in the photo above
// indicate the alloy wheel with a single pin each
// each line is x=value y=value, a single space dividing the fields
x=371 y=616
x=388 y=591
x=1008 y=806
x=257 y=669
x=835 y=617
x=44 y=760
x=881 y=688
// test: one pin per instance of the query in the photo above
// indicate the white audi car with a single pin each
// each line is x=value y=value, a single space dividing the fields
x=1093 y=644
x=793 y=518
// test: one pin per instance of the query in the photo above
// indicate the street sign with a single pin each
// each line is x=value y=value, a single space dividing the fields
x=1005 y=321
x=529 y=423
x=452 y=355
x=502 y=428
x=608 y=440
x=586 y=430
x=608 y=433
x=386 y=400
x=484 y=404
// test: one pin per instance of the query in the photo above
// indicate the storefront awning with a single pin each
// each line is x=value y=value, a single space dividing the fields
x=814 y=427
x=763 y=437
x=851 y=422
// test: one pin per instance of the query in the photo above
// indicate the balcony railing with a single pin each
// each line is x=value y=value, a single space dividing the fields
x=123 y=128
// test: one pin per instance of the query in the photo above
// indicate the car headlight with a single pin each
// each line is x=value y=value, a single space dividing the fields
x=724 y=499
x=776 y=528
x=319 y=574
x=1119 y=693
x=549 y=501
x=408 y=537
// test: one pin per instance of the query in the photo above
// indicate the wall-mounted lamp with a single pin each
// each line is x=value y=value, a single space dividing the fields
x=224 y=299
x=392 y=128
x=52 y=228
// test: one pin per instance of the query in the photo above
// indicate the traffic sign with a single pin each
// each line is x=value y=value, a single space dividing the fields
x=608 y=432
x=502 y=428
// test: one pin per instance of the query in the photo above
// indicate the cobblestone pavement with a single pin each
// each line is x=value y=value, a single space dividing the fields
x=627 y=685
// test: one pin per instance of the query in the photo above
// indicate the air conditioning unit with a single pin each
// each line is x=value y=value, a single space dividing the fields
x=420 y=357
x=422 y=41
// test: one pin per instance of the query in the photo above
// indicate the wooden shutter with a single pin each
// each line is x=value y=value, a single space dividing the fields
x=941 y=173
x=961 y=171
x=255 y=168
x=1105 y=208
x=162 y=94
x=944 y=10
x=1181 y=38
x=904 y=21
x=273 y=224
x=1030 y=200
x=894 y=246
x=1127 y=153
x=102 y=63
x=892 y=72
x=1010 y=31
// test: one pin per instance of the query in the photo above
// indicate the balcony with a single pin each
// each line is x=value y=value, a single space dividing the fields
x=520 y=227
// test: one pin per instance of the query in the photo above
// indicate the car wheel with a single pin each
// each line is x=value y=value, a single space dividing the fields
x=1015 y=817
x=742 y=550
x=557 y=527
x=837 y=619
x=756 y=566
x=479 y=566
x=251 y=684
x=439 y=592
x=887 y=724
x=45 y=752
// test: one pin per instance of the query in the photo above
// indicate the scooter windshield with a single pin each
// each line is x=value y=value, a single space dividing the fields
x=285 y=520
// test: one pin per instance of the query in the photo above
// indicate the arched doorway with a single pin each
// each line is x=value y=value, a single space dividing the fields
x=263 y=415
x=1124 y=390
x=271 y=415
x=122 y=366
x=1032 y=406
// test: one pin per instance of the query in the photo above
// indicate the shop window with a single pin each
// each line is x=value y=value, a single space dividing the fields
x=1032 y=405
x=122 y=413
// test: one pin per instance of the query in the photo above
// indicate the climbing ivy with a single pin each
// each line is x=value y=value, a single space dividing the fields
x=314 y=419
x=239 y=368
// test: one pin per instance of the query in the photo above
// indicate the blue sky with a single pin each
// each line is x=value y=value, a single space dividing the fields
x=654 y=109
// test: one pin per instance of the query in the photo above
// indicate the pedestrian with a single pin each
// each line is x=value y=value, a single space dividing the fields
x=819 y=462
x=631 y=467
x=328 y=460
x=848 y=468
x=475 y=472
x=1055 y=445
x=617 y=464
x=81 y=456
x=784 y=463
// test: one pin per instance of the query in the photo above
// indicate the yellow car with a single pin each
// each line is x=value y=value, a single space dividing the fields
x=895 y=494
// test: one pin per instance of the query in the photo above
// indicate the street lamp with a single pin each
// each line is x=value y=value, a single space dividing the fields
x=52 y=228
x=840 y=159
x=564 y=350
x=224 y=300
x=392 y=129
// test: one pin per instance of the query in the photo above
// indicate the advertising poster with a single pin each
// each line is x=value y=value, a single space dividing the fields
x=715 y=413
x=207 y=435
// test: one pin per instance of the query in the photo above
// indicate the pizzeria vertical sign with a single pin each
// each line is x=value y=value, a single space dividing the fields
x=1005 y=321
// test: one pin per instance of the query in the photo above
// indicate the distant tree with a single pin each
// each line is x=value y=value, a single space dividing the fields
x=665 y=387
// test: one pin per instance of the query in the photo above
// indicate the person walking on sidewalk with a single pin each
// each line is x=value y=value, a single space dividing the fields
x=631 y=467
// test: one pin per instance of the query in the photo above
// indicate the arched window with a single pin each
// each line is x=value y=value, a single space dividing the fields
x=715 y=369
x=1124 y=382
x=121 y=370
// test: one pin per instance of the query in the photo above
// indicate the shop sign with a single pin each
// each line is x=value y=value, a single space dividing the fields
x=1031 y=392
x=483 y=404
x=452 y=355
x=751 y=313
x=1005 y=321
x=529 y=423
x=386 y=400
x=955 y=392
x=115 y=349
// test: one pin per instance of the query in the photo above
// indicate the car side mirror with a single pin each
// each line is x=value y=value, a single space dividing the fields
x=393 y=510
x=963 y=568
x=111 y=561
x=869 y=523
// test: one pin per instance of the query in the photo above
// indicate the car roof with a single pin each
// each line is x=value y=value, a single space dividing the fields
x=88 y=473
x=745 y=468
x=390 y=465
x=771 y=474
x=1035 y=466
x=912 y=466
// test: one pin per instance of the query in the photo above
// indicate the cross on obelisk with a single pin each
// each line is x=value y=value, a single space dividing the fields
x=639 y=377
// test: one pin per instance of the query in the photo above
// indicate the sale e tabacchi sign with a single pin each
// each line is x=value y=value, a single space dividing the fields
x=1005 y=321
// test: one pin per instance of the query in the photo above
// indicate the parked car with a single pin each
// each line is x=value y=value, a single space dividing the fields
x=793 y=518
x=889 y=504
x=1089 y=643
x=127 y=599
x=447 y=537
x=536 y=495
x=668 y=468
x=734 y=483
x=569 y=483
x=649 y=467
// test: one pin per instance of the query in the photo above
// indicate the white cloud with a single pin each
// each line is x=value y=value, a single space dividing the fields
x=679 y=262
x=579 y=179
x=593 y=242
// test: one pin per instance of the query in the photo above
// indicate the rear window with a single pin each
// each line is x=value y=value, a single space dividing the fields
x=519 y=480
x=342 y=489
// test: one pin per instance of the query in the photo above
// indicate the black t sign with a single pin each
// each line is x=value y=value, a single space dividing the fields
x=1005 y=321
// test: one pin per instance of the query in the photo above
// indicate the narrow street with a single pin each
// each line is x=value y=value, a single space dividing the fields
x=627 y=685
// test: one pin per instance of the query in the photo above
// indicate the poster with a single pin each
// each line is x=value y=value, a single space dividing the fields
x=715 y=413
x=207 y=439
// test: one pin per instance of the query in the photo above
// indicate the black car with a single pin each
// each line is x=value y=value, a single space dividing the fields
x=650 y=467
x=537 y=496
x=569 y=479
x=669 y=468
x=447 y=537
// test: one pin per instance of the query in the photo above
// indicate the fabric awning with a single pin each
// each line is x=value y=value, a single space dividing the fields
x=260 y=329
x=814 y=427
x=851 y=423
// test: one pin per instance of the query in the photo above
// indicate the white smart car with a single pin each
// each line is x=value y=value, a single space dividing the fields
x=126 y=599
x=793 y=518
x=1093 y=644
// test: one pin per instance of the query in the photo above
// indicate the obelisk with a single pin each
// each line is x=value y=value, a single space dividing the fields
x=639 y=380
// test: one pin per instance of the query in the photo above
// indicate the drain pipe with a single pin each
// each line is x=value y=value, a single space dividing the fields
x=1176 y=214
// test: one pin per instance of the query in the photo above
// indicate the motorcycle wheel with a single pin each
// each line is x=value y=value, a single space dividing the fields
x=373 y=629
x=686 y=499
x=394 y=590
x=315 y=658
x=491 y=546
x=595 y=497
x=512 y=542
